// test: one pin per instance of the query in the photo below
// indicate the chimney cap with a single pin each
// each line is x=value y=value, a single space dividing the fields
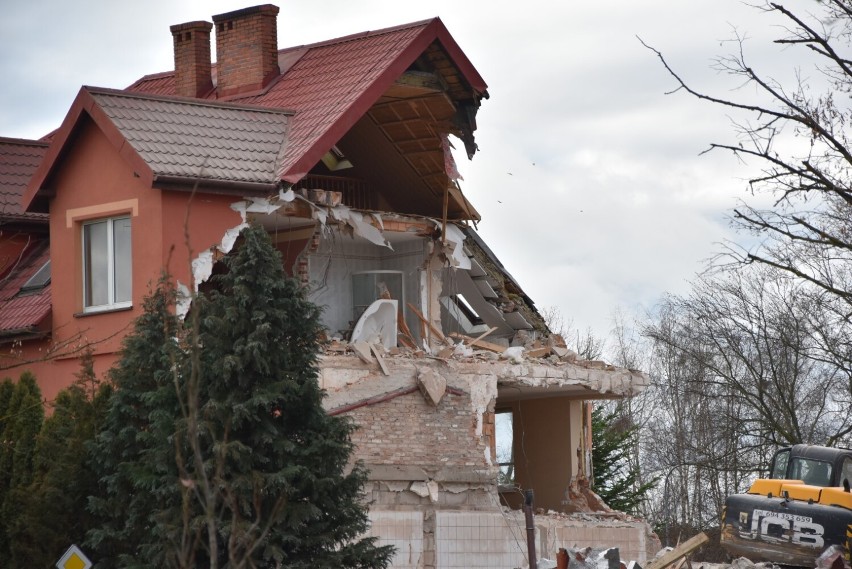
x=196 y=25
x=262 y=9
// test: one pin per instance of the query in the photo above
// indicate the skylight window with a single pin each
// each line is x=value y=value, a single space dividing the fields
x=38 y=281
x=464 y=306
x=335 y=160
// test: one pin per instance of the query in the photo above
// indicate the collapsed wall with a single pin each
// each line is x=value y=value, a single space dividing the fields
x=426 y=433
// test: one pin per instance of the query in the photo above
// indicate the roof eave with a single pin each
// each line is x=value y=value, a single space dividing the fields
x=23 y=334
x=36 y=194
x=186 y=183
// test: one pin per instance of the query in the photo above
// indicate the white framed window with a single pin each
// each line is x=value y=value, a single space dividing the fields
x=107 y=263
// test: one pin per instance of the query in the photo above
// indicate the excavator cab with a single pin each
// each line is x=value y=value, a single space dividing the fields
x=814 y=465
x=791 y=517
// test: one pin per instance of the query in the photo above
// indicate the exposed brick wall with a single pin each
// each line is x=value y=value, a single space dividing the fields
x=192 y=58
x=489 y=433
x=408 y=431
x=246 y=49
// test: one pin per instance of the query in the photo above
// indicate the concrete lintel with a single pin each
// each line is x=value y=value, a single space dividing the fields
x=387 y=472
x=466 y=474
x=585 y=381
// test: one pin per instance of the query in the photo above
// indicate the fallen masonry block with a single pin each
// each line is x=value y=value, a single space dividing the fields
x=432 y=385
x=362 y=350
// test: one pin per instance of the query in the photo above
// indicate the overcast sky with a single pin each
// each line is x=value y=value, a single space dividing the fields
x=588 y=178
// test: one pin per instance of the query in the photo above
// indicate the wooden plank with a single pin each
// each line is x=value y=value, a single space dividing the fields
x=431 y=326
x=681 y=550
x=445 y=353
x=481 y=336
x=404 y=334
x=497 y=348
x=538 y=352
x=380 y=359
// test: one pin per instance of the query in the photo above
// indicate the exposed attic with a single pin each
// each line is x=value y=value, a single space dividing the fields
x=403 y=142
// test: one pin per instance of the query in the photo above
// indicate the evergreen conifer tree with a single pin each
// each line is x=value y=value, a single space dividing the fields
x=287 y=499
x=7 y=414
x=133 y=455
x=219 y=453
x=24 y=419
x=54 y=504
x=7 y=388
x=615 y=479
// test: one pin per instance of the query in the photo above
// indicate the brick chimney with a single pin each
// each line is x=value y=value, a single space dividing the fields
x=246 y=49
x=192 y=58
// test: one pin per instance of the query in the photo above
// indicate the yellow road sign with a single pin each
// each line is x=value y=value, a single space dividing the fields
x=73 y=559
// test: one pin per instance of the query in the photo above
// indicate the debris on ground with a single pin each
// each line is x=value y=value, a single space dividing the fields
x=459 y=347
x=832 y=558
x=584 y=558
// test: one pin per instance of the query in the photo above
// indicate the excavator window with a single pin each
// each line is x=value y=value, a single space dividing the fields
x=846 y=473
x=813 y=472
x=779 y=464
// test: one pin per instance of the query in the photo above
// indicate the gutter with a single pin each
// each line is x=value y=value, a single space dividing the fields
x=190 y=183
x=16 y=334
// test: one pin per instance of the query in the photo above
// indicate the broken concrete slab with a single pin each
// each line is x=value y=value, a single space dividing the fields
x=362 y=350
x=432 y=486
x=419 y=488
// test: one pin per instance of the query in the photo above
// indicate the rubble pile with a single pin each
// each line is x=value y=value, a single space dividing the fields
x=832 y=558
x=458 y=347
x=585 y=558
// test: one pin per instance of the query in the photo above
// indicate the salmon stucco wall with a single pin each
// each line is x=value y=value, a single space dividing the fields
x=93 y=182
x=192 y=223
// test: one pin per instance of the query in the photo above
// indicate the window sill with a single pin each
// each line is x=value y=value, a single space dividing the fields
x=105 y=310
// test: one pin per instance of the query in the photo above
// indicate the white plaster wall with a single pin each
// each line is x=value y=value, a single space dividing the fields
x=494 y=539
x=629 y=538
x=473 y=540
x=339 y=256
x=403 y=530
x=330 y=270
x=575 y=419
x=408 y=257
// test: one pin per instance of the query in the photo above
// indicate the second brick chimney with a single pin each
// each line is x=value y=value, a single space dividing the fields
x=246 y=49
x=192 y=58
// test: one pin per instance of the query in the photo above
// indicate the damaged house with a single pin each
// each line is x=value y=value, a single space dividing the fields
x=341 y=150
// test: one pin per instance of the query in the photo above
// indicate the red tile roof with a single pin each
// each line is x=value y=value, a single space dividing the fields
x=174 y=140
x=19 y=159
x=188 y=138
x=332 y=84
x=328 y=85
x=25 y=312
